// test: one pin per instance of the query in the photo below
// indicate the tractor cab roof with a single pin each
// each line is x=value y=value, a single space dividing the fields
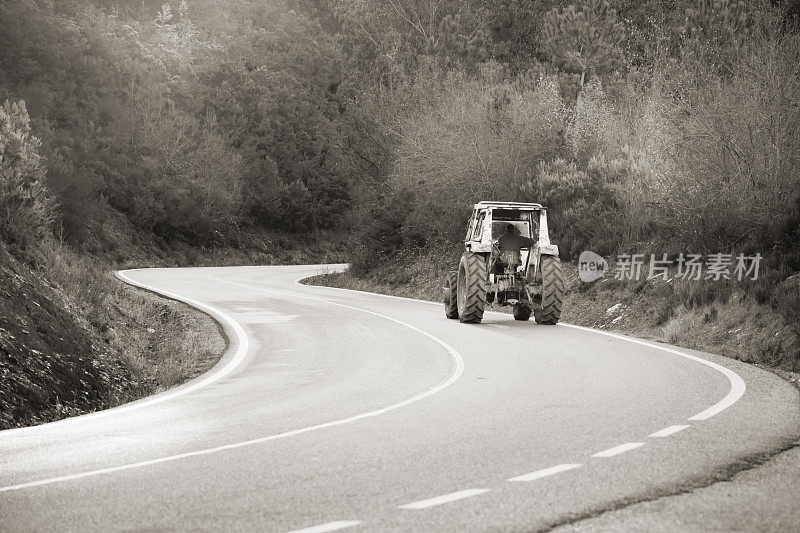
x=509 y=205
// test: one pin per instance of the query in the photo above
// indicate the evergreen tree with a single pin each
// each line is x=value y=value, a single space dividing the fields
x=717 y=31
x=450 y=41
x=585 y=38
x=25 y=207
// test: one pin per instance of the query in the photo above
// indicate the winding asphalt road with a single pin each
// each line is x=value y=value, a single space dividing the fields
x=336 y=409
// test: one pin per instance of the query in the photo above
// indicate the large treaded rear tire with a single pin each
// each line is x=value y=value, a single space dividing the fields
x=521 y=312
x=451 y=295
x=473 y=279
x=552 y=291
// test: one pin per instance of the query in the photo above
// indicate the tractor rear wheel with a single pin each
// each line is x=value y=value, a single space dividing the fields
x=521 y=312
x=552 y=291
x=451 y=295
x=473 y=279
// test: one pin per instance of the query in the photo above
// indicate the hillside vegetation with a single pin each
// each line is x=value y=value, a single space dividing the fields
x=658 y=127
x=143 y=136
x=230 y=131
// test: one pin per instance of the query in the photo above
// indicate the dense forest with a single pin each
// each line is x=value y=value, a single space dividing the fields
x=193 y=120
x=644 y=125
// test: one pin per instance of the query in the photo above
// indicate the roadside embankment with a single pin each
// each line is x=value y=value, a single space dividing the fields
x=74 y=339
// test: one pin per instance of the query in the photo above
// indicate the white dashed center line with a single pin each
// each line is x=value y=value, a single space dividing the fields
x=616 y=450
x=666 y=432
x=545 y=472
x=446 y=498
x=330 y=526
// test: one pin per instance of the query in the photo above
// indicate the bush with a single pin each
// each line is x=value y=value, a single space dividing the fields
x=26 y=210
x=594 y=127
x=379 y=234
x=740 y=146
x=786 y=300
x=583 y=210
x=193 y=188
x=478 y=140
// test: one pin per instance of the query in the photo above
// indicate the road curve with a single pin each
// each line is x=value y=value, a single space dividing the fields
x=339 y=410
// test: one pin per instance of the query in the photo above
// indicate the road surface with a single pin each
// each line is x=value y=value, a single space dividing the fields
x=340 y=410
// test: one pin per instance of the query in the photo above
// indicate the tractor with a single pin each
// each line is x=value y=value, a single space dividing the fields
x=525 y=274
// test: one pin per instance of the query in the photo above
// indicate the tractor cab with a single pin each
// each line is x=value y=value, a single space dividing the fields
x=508 y=259
x=490 y=221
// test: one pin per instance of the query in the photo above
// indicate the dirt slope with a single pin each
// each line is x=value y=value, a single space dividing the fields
x=52 y=364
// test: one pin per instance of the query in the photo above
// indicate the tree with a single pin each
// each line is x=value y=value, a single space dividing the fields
x=450 y=41
x=25 y=206
x=514 y=27
x=387 y=41
x=717 y=31
x=273 y=89
x=584 y=39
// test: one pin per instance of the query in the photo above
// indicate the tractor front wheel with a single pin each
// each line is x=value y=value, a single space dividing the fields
x=552 y=291
x=521 y=312
x=473 y=280
x=451 y=295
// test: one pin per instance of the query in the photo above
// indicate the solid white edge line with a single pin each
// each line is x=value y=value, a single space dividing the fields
x=241 y=351
x=459 y=361
x=330 y=526
x=737 y=384
x=616 y=450
x=458 y=370
x=444 y=498
x=736 y=391
x=546 y=472
x=669 y=430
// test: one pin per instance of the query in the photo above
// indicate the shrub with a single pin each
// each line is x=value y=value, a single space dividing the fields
x=740 y=149
x=786 y=301
x=81 y=279
x=583 y=210
x=379 y=234
x=192 y=188
x=26 y=209
x=479 y=140
x=594 y=127
x=76 y=191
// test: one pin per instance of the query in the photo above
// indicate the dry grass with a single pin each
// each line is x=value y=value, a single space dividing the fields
x=165 y=341
x=74 y=339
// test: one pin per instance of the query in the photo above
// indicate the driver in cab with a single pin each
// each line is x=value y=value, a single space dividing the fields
x=509 y=245
x=512 y=241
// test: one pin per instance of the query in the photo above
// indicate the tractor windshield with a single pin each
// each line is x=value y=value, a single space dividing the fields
x=499 y=227
x=526 y=222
